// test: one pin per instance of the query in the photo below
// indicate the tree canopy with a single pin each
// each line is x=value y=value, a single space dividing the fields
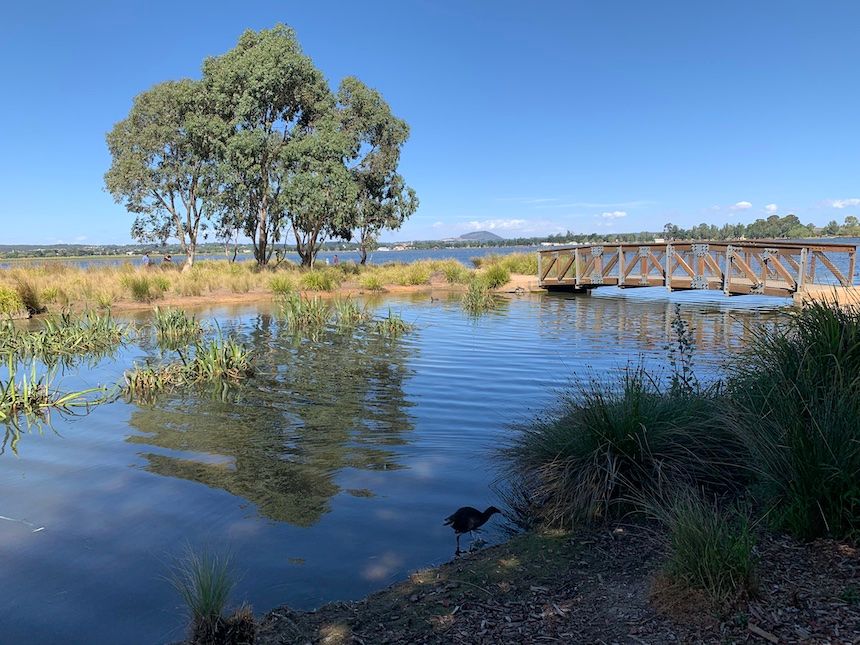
x=262 y=146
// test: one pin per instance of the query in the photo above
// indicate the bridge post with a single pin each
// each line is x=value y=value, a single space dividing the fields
x=667 y=281
x=540 y=266
x=801 y=278
x=577 y=268
x=727 y=273
x=621 y=265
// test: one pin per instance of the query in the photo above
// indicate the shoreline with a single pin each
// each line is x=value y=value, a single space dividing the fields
x=594 y=585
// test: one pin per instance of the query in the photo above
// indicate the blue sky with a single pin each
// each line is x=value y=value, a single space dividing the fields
x=527 y=118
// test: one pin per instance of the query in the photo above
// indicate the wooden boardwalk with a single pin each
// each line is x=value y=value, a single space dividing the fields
x=765 y=267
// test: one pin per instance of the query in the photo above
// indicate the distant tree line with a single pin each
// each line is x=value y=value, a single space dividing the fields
x=261 y=146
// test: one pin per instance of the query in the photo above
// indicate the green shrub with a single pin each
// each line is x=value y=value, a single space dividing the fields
x=478 y=299
x=319 y=280
x=607 y=447
x=795 y=397
x=525 y=263
x=495 y=276
x=10 y=301
x=140 y=287
x=414 y=274
x=282 y=285
x=455 y=273
x=710 y=547
x=371 y=282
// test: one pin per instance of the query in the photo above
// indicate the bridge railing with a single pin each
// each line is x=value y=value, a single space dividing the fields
x=770 y=268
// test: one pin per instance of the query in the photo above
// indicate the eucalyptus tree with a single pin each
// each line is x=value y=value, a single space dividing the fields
x=271 y=95
x=164 y=164
x=383 y=201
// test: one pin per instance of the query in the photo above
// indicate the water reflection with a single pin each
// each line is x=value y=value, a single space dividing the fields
x=312 y=409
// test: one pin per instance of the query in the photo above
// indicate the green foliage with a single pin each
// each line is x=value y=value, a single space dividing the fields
x=795 y=397
x=204 y=582
x=282 y=285
x=371 y=282
x=455 y=273
x=142 y=288
x=414 y=274
x=607 y=447
x=319 y=280
x=710 y=547
x=174 y=328
x=63 y=337
x=495 y=276
x=393 y=325
x=306 y=315
x=524 y=263
x=10 y=301
x=348 y=313
x=478 y=299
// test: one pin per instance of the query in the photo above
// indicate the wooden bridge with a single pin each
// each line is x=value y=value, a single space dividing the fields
x=764 y=267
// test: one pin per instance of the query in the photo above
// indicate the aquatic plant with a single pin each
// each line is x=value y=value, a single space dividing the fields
x=31 y=393
x=607 y=446
x=479 y=298
x=348 y=313
x=523 y=263
x=795 y=402
x=204 y=581
x=175 y=328
x=392 y=325
x=142 y=289
x=306 y=315
x=414 y=274
x=63 y=337
x=710 y=546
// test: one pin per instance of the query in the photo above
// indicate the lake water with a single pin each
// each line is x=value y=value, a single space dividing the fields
x=327 y=475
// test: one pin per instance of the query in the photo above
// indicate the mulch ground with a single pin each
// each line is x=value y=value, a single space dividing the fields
x=595 y=587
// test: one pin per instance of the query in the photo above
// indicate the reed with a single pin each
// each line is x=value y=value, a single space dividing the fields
x=306 y=315
x=348 y=314
x=320 y=280
x=63 y=337
x=479 y=298
x=204 y=581
x=392 y=325
x=174 y=328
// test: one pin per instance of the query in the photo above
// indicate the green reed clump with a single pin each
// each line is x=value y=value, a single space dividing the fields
x=63 y=337
x=606 y=446
x=371 y=282
x=175 y=328
x=495 y=276
x=414 y=274
x=455 y=273
x=219 y=358
x=795 y=405
x=320 y=280
x=710 y=546
x=348 y=313
x=141 y=287
x=204 y=581
x=479 y=298
x=31 y=393
x=282 y=285
x=10 y=302
x=393 y=325
x=306 y=315
x=524 y=263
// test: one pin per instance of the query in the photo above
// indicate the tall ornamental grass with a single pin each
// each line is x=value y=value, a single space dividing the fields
x=795 y=405
x=608 y=446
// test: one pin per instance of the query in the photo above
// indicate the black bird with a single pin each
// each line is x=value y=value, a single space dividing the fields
x=468 y=519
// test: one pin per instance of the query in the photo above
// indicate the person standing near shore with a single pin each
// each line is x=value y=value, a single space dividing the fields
x=145 y=260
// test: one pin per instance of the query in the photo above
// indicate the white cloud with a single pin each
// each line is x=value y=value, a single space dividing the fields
x=81 y=238
x=613 y=214
x=843 y=203
x=438 y=224
x=740 y=206
x=771 y=208
x=631 y=204
x=498 y=224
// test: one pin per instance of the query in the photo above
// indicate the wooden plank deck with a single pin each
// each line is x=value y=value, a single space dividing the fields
x=773 y=268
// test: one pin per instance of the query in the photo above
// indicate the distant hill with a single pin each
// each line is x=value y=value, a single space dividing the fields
x=480 y=236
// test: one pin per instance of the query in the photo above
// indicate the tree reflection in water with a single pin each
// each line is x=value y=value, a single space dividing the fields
x=312 y=409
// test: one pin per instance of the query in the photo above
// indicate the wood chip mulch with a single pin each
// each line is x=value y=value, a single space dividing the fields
x=596 y=587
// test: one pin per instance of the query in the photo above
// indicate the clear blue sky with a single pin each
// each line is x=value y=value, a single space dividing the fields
x=526 y=118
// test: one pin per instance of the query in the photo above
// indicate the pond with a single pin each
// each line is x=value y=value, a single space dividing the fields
x=326 y=476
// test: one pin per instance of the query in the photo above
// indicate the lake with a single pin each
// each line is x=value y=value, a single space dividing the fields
x=326 y=475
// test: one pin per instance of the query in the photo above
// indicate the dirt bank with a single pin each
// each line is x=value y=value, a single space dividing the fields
x=592 y=587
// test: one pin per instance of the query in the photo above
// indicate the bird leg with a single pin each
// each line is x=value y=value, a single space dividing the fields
x=457 y=552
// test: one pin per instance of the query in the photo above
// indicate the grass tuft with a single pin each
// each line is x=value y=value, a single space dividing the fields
x=174 y=328
x=393 y=325
x=204 y=582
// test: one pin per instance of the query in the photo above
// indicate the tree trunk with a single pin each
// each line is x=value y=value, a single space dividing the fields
x=262 y=242
x=363 y=251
